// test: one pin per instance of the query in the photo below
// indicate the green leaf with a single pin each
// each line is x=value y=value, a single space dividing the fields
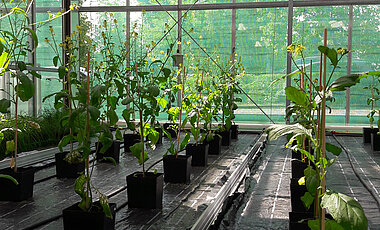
x=276 y=131
x=103 y=200
x=112 y=116
x=33 y=36
x=94 y=112
x=333 y=149
x=344 y=82
x=136 y=150
x=10 y=146
x=330 y=53
x=79 y=188
x=307 y=200
x=329 y=225
x=5 y=104
x=55 y=61
x=346 y=211
x=163 y=103
x=64 y=141
x=127 y=101
x=297 y=96
x=118 y=134
x=9 y=178
x=312 y=182
x=185 y=141
x=61 y=72
x=21 y=65
x=25 y=87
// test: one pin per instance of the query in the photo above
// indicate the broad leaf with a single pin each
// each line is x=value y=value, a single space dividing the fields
x=162 y=102
x=297 y=96
x=5 y=104
x=307 y=200
x=103 y=200
x=118 y=134
x=64 y=141
x=185 y=141
x=276 y=131
x=344 y=82
x=345 y=210
x=333 y=149
x=329 y=225
x=330 y=53
x=25 y=87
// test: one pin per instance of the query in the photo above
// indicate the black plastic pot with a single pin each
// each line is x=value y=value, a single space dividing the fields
x=295 y=219
x=66 y=170
x=375 y=141
x=129 y=140
x=177 y=169
x=199 y=153
x=298 y=168
x=9 y=191
x=296 y=192
x=367 y=134
x=215 y=145
x=113 y=151
x=145 y=192
x=226 y=137
x=76 y=218
x=234 y=132
x=168 y=127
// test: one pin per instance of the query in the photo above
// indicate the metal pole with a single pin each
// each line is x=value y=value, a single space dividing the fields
x=290 y=41
x=349 y=60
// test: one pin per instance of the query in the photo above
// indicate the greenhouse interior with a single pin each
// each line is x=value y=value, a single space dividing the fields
x=190 y=114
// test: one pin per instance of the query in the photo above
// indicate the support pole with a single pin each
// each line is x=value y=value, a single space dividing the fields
x=290 y=41
x=179 y=43
x=349 y=61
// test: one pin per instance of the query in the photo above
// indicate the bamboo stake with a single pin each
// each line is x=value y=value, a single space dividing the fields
x=88 y=130
x=323 y=128
x=16 y=126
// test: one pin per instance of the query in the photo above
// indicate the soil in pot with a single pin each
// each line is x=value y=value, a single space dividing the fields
x=199 y=154
x=375 y=141
x=113 y=151
x=296 y=192
x=76 y=218
x=177 y=169
x=65 y=169
x=169 y=127
x=9 y=191
x=226 y=137
x=215 y=145
x=145 y=191
x=234 y=132
x=129 y=140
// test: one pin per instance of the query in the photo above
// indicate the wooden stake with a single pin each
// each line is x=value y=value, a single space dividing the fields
x=323 y=127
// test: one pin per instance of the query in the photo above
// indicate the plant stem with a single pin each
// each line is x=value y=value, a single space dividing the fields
x=16 y=125
x=141 y=120
x=180 y=111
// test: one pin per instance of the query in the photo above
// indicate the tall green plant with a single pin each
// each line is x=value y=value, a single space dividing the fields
x=375 y=96
x=347 y=213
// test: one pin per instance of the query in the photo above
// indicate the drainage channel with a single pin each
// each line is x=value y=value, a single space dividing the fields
x=210 y=215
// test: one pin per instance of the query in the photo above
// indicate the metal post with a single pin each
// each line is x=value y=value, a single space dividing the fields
x=66 y=30
x=349 y=60
x=32 y=103
x=233 y=34
x=290 y=41
x=179 y=42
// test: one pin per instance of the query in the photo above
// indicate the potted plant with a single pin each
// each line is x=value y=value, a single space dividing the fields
x=144 y=188
x=177 y=168
x=372 y=102
x=210 y=111
x=69 y=164
x=338 y=204
x=14 y=46
x=109 y=71
x=85 y=119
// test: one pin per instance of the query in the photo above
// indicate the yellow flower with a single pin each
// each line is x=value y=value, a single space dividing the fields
x=179 y=43
x=200 y=37
x=291 y=48
x=341 y=51
x=161 y=52
x=299 y=49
